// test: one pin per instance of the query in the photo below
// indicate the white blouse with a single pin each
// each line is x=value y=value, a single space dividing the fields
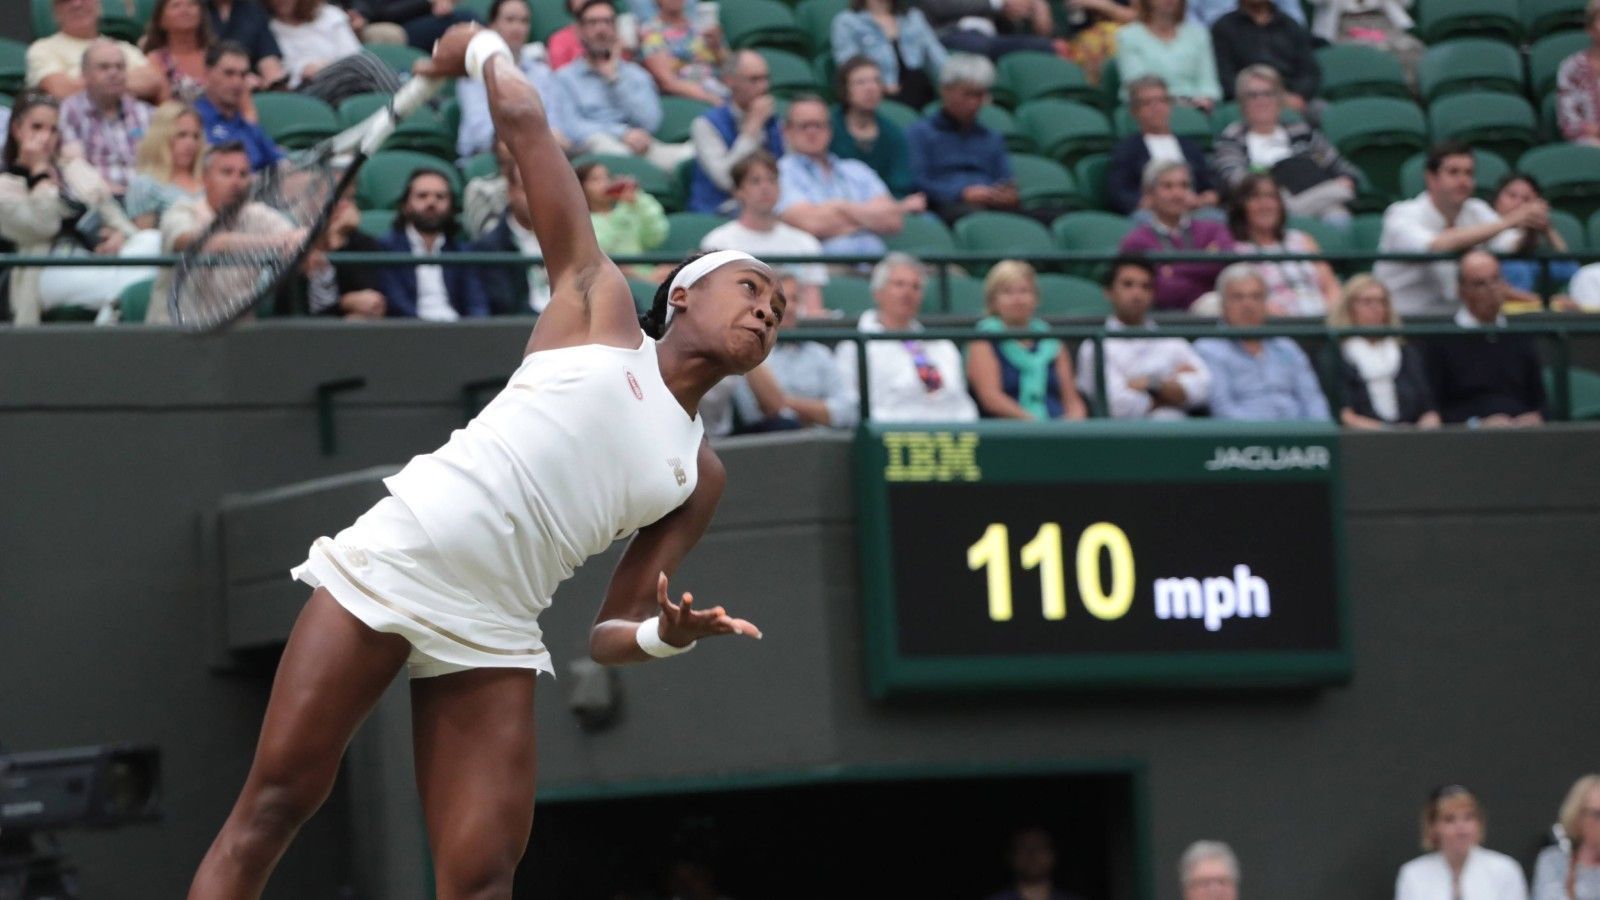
x=1487 y=875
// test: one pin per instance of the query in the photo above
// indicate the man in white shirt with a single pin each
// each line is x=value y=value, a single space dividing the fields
x=1584 y=289
x=1147 y=377
x=907 y=381
x=432 y=292
x=1445 y=217
x=55 y=63
x=759 y=232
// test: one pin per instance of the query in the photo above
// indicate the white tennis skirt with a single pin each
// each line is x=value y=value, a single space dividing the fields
x=387 y=573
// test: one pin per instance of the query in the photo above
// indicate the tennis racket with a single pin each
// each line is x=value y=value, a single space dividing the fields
x=258 y=242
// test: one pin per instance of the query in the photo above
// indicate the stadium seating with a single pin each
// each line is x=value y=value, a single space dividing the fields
x=1043 y=182
x=685 y=229
x=398 y=57
x=763 y=23
x=1488 y=171
x=134 y=302
x=483 y=165
x=549 y=16
x=677 y=113
x=1187 y=122
x=1569 y=175
x=424 y=131
x=1502 y=123
x=1024 y=76
x=1090 y=231
x=1583 y=390
x=1546 y=56
x=850 y=296
x=1471 y=64
x=1358 y=70
x=13 y=65
x=1071 y=295
x=295 y=120
x=898 y=113
x=1003 y=234
x=824 y=71
x=790 y=74
x=922 y=234
x=1541 y=18
x=1594 y=230
x=1570 y=227
x=381 y=183
x=644 y=294
x=1376 y=134
x=815 y=18
x=1442 y=20
x=1065 y=131
x=960 y=295
x=377 y=222
x=1090 y=173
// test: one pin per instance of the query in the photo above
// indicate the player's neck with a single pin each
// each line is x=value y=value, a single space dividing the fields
x=688 y=376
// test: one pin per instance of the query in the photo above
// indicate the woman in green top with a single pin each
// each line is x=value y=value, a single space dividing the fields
x=861 y=132
x=1020 y=379
x=627 y=221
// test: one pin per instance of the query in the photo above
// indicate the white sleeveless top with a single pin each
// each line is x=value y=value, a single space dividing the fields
x=583 y=446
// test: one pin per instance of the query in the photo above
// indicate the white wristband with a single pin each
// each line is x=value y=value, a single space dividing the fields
x=648 y=634
x=483 y=46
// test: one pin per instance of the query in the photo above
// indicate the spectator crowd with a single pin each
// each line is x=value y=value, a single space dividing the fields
x=686 y=129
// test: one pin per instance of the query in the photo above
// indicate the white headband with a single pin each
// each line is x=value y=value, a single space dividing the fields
x=691 y=274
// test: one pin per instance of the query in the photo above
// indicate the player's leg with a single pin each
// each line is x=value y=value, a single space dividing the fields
x=332 y=673
x=473 y=733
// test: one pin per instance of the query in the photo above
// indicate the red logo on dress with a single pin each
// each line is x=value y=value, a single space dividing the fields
x=633 y=385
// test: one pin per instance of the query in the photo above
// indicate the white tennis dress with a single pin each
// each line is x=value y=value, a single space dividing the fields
x=583 y=446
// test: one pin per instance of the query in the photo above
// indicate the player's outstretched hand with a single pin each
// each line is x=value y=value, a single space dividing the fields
x=681 y=624
x=449 y=53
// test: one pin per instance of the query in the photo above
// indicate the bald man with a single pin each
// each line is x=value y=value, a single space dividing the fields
x=1485 y=379
x=104 y=119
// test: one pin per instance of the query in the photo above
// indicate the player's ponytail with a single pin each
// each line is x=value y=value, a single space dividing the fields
x=654 y=322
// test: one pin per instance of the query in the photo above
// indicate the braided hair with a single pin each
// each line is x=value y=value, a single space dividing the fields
x=655 y=322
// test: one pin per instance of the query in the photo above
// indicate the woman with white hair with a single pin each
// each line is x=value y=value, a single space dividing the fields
x=1570 y=870
x=1208 y=870
x=1457 y=866
x=1317 y=181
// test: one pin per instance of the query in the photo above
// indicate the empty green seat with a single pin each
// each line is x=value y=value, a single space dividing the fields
x=1569 y=174
x=1065 y=131
x=1090 y=232
x=963 y=296
x=1504 y=124
x=1546 y=56
x=1187 y=122
x=1043 y=182
x=398 y=57
x=482 y=165
x=1029 y=75
x=815 y=18
x=13 y=65
x=1594 y=230
x=1359 y=70
x=677 y=113
x=849 y=295
x=922 y=235
x=1545 y=17
x=548 y=17
x=1331 y=238
x=377 y=222
x=134 y=302
x=1377 y=134
x=762 y=23
x=295 y=120
x=1072 y=295
x=644 y=294
x=898 y=113
x=822 y=69
x=1471 y=64
x=1488 y=169
x=790 y=74
x=1090 y=173
x=1003 y=234
x=1442 y=20
x=685 y=229
x=1570 y=227
x=1583 y=390
x=381 y=183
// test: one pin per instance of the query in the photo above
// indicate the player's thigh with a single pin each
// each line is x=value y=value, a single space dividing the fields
x=475 y=756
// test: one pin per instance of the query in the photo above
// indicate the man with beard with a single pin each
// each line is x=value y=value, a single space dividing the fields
x=424 y=227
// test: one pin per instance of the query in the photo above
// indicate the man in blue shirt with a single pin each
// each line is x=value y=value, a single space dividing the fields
x=842 y=202
x=608 y=104
x=1260 y=379
x=227 y=68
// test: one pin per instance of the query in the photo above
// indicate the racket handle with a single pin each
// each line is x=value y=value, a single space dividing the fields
x=411 y=95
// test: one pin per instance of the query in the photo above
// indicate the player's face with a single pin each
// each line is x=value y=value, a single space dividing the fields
x=1131 y=294
x=512 y=22
x=739 y=306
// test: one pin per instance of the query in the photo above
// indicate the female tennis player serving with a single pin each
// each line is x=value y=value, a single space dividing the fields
x=594 y=437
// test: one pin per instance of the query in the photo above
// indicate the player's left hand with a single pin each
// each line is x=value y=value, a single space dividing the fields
x=681 y=625
x=449 y=58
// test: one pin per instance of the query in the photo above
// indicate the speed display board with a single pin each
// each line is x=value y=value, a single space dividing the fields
x=1101 y=554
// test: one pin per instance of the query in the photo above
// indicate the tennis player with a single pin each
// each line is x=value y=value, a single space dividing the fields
x=595 y=437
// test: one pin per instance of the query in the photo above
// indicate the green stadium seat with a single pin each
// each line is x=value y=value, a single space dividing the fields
x=1366 y=231
x=381 y=183
x=847 y=294
x=1331 y=238
x=1187 y=122
x=1441 y=20
x=134 y=302
x=43 y=18
x=60 y=314
x=791 y=74
x=1359 y=70
x=1489 y=168
x=1065 y=131
x=1545 y=17
x=1549 y=126
x=1376 y=134
x=1227 y=113
x=676 y=115
x=13 y=65
x=1504 y=124
x=398 y=57
x=1546 y=56
x=1090 y=232
x=644 y=294
x=1583 y=390
x=922 y=235
x=357 y=107
x=1110 y=86
x=965 y=296
x=548 y=17
x=377 y=222
x=763 y=23
x=822 y=68
x=482 y=165
x=815 y=18
x=1002 y=233
x=1471 y=64
x=424 y=131
x=1569 y=174
x=295 y=120
x=5 y=100
x=1029 y=75
x=898 y=113
x=1570 y=227
x=1594 y=230
x=1071 y=295
x=685 y=229
x=1090 y=173
x=1043 y=182
x=450 y=113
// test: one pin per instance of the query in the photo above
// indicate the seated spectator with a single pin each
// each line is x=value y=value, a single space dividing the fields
x=1261 y=34
x=841 y=202
x=1584 y=290
x=1257 y=221
x=808 y=389
x=627 y=221
x=759 y=231
x=515 y=289
x=55 y=63
x=1205 y=13
x=167 y=166
x=1151 y=107
x=610 y=105
x=1383 y=24
x=1457 y=866
x=311 y=34
x=1169 y=197
x=1259 y=379
x=1146 y=377
x=1524 y=275
x=1015 y=378
x=221 y=106
x=724 y=136
x=563 y=45
x=1032 y=860
x=510 y=19
x=54 y=203
x=992 y=28
x=175 y=41
x=225 y=177
x=1571 y=869
x=860 y=132
x=424 y=21
x=1578 y=86
x=684 y=55
x=1208 y=870
x=1445 y=218
x=1162 y=43
x=103 y=121
x=423 y=228
x=484 y=200
x=1091 y=33
x=346 y=291
x=960 y=164
x=907 y=381
x=1385 y=378
x=1319 y=182
x=1490 y=380
x=246 y=23
x=896 y=37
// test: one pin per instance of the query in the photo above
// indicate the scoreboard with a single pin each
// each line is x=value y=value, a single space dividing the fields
x=1022 y=555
